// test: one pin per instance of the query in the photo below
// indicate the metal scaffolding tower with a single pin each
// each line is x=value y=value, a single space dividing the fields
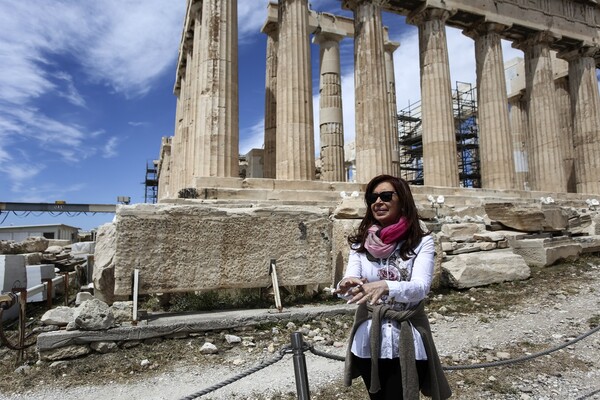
x=151 y=183
x=410 y=136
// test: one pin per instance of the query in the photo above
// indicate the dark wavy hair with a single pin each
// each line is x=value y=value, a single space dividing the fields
x=408 y=209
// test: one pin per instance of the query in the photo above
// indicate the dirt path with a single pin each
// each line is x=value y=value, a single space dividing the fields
x=484 y=325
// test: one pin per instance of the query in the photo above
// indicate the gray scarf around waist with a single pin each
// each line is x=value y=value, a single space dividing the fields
x=435 y=386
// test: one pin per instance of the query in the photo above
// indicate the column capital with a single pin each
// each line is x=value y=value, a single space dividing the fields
x=270 y=28
x=322 y=37
x=542 y=37
x=424 y=14
x=483 y=27
x=582 y=51
x=390 y=47
x=353 y=4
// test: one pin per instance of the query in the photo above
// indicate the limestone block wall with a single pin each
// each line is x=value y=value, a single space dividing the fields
x=182 y=248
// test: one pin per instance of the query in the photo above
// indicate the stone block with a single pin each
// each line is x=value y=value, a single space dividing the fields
x=12 y=272
x=484 y=268
x=342 y=228
x=35 y=274
x=186 y=248
x=103 y=274
x=589 y=244
x=33 y=258
x=350 y=208
x=515 y=216
x=83 y=248
x=555 y=218
x=71 y=351
x=462 y=232
x=546 y=251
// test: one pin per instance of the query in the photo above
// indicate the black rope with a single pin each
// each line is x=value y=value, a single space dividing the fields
x=484 y=365
x=589 y=395
x=239 y=376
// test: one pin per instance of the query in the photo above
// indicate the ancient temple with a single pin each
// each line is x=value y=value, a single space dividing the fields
x=205 y=140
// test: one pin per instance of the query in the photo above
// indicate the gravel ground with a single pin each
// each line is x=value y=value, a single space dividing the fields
x=481 y=325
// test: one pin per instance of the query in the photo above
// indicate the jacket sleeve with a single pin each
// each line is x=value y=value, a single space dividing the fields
x=418 y=286
x=353 y=269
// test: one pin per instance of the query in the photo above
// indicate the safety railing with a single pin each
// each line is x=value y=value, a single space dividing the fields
x=298 y=347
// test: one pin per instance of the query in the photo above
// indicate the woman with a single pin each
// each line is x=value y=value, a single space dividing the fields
x=389 y=273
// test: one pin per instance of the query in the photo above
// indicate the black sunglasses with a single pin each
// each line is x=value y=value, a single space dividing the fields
x=385 y=196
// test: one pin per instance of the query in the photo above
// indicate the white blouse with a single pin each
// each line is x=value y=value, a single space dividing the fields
x=408 y=282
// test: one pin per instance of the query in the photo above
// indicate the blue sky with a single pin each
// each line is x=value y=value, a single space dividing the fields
x=86 y=93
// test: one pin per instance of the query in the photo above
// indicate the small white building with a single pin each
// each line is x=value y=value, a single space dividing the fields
x=56 y=232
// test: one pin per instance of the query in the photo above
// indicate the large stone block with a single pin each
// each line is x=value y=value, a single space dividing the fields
x=103 y=274
x=519 y=217
x=194 y=247
x=484 y=268
x=546 y=251
x=35 y=276
x=12 y=272
x=462 y=232
x=342 y=228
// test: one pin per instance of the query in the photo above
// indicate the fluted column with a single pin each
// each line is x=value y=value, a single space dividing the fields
x=187 y=151
x=175 y=147
x=546 y=170
x=269 y=155
x=518 y=129
x=331 y=121
x=390 y=48
x=495 y=147
x=295 y=135
x=217 y=129
x=164 y=169
x=373 y=147
x=565 y=123
x=585 y=103
x=194 y=46
x=440 y=164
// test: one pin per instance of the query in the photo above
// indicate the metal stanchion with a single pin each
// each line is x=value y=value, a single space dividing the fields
x=300 y=367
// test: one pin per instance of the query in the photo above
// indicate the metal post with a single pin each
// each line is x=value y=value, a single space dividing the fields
x=300 y=367
x=48 y=282
x=66 y=283
x=136 y=284
x=275 y=280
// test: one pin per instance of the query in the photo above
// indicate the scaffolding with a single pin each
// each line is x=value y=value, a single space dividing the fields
x=410 y=135
x=151 y=183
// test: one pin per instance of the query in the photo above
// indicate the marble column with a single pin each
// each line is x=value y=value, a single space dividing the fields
x=187 y=150
x=585 y=104
x=269 y=155
x=164 y=169
x=295 y=154
x=217 y=126
x=331 y=121
x=546 y=169
x=518 y=129
x=175 y=147
x=373 y=147
x=565 y=123
x=194 y=46
x=495 y=146
x=440 y=161
x=390 y=47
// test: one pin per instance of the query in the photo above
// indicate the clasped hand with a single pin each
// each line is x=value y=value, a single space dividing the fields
x=361 y=290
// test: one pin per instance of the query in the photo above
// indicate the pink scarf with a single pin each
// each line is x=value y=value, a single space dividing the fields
x=382 y=242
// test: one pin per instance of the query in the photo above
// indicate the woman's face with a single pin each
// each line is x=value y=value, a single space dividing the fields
x=386 y=212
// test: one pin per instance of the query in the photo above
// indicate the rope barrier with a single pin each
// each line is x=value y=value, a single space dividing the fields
x=483 y=365
x=287 y=350
x=282 y=352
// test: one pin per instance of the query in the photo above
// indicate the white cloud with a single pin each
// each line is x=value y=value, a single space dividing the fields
x=122 y=45
x=253 y=137
x=110 y=148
